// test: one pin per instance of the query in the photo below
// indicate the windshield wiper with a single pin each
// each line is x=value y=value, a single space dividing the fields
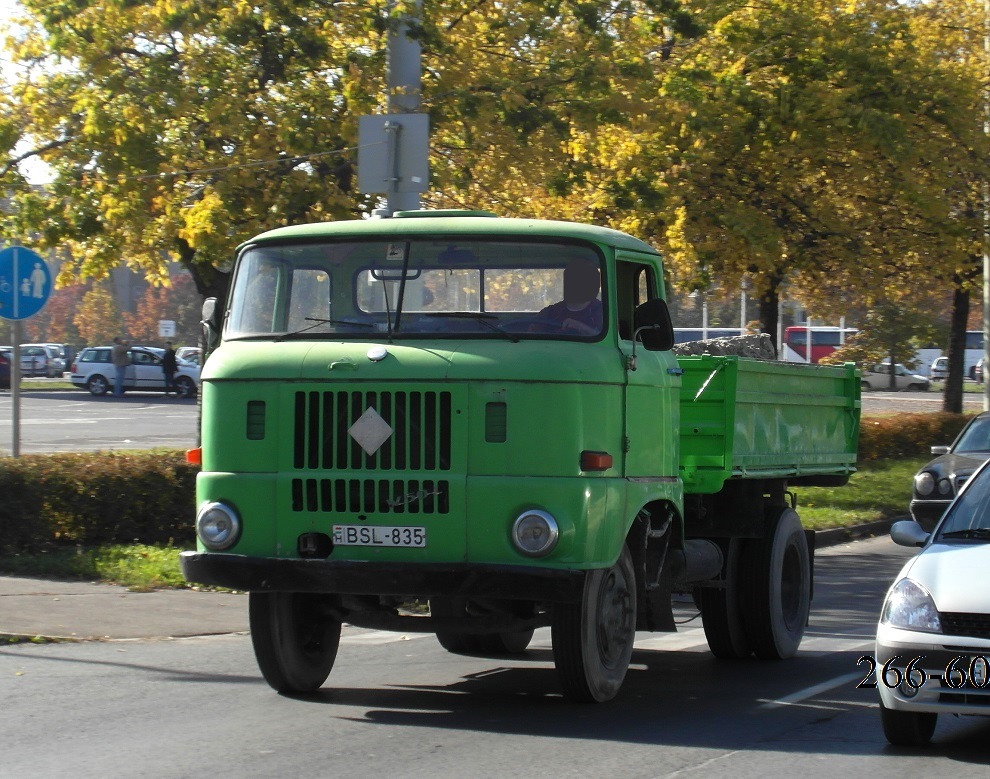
x=317 y=322
x=972 y=532
x=477 y=316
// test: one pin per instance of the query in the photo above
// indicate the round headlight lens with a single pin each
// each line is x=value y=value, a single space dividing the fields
x=924 y=483
x=535 y=533
x=911 y=607
x=218 y=526
x=944 y=487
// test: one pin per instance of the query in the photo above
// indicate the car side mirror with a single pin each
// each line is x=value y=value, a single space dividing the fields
x=939 y=450
x=907 y=532
x=211 y=323
x=652 y=325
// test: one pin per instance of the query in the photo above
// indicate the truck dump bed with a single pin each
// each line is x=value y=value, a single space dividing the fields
x=751 y=419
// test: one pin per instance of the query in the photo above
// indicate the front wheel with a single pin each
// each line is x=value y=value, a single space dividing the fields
x=907 y=728
x=775 y=574
x=593 y=639
x=186 y=387
x=295 y=639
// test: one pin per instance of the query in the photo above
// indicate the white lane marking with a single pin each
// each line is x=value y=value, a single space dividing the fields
x=811 y=692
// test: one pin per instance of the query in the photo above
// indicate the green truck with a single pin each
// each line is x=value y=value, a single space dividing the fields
x=473 y=426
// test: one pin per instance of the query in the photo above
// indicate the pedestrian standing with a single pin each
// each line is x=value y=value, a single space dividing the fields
x=169 y=367
x=121 y=359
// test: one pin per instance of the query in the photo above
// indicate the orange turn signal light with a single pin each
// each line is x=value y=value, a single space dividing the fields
x=194 y=456
x=595 y=461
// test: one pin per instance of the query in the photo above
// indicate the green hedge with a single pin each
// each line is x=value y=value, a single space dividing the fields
x=96 y=499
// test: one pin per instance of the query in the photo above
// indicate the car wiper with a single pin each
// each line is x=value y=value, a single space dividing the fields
x=972 y=532
x=477 y=316
x=317 y=322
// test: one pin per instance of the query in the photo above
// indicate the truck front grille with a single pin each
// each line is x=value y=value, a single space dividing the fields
x=419 y=439
x=371 y=496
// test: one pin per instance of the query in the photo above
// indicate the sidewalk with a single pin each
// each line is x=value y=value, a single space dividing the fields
x=77 y=611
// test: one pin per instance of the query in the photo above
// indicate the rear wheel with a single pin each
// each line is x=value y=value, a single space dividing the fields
x=455 y=642
x=295 y=640
x=907 y=728
x=775 y=576
x=593 y=639
x=97 y=384
x=720 y=611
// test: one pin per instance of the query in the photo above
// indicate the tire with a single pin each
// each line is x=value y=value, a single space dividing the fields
x=907 y=728
x=486 y=645
x=775 y=572
x=97 y=384
x=593 y=639
x=721 y=615
x=186 y=386
x=294 y=643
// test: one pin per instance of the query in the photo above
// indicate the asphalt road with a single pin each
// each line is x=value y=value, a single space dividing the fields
x=75 y=421
x=398 y=705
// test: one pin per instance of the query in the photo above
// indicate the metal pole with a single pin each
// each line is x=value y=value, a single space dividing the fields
x=404 y=90
x=15 y=389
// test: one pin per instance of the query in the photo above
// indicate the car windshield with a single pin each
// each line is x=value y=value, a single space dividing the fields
x=417 y=288
x=969 y=515
x=975 y=438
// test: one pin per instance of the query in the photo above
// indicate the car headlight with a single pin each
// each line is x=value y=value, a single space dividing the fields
x=945 y=487
x=924 y=483
x=909 y=605
x=218 y=526
x=535 y=533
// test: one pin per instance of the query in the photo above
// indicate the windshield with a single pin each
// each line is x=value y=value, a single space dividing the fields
x=969 y=515
x=975 y=438
x=418 y=288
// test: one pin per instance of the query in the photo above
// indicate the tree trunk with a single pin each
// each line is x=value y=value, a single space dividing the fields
x=770 y=311
x=952 y=399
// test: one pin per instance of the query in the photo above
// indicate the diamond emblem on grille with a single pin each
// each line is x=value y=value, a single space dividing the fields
x=370 y=431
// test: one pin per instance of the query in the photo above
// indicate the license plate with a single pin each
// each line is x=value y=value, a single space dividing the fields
x=377 y=535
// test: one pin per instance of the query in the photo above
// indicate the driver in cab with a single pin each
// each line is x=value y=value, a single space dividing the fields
x=580 y=312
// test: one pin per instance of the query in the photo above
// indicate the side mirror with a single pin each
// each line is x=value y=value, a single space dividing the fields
x=907 y=532
x=211 y=323
x=653 y=326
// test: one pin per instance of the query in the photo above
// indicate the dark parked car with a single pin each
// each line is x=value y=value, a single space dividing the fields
x=940 y=480
x=5 y=358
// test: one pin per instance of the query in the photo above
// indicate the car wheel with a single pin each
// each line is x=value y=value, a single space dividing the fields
x=187 y=387
x=907 y=728
x=97 y=384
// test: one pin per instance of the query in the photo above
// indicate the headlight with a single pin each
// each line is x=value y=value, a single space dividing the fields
x=909 y=606
x=535 y=533
x=945 y=487
x=924 y=483
x=218 y=526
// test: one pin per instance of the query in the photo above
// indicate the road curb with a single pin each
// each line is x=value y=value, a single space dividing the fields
x=840 y=535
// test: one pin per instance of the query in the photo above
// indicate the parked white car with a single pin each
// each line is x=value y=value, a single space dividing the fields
x=878 y=378
x=94 y=370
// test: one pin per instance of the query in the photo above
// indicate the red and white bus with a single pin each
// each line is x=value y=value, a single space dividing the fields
x=819 y=341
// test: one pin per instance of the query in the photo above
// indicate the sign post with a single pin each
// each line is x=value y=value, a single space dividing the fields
x=25 y=286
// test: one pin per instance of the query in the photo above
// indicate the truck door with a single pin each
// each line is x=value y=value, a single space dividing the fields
x=652 y=392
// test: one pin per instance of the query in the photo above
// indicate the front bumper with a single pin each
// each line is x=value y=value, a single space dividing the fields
x=927 y=513
x=271 y=574
x=936 y=655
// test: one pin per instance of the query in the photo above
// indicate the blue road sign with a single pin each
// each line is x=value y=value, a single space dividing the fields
x=25 y=283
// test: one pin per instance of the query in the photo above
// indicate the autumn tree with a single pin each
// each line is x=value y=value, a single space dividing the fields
x=98 y=318
x=54 y=323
